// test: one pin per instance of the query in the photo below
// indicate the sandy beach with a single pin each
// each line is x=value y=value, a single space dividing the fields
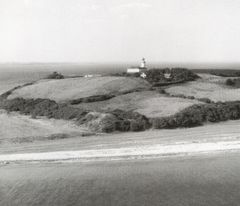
x=141 y=152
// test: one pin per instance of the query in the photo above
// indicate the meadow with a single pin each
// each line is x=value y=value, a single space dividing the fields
x=209 y=86
x=16 y=128
x=73 y=88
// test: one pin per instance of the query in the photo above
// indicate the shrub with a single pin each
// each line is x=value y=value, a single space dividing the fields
x=55 y=75
x=190 y=97
x=198 y=114
x=160 y=123
x=177 y=75
x=119 y=120
x=101 y=122
x=233 y=82
x=230 y=82
x=130 y=121
x=205 y=100
x=161 y=91
x=95 y=98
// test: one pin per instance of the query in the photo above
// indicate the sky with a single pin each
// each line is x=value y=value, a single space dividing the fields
x=120 y=30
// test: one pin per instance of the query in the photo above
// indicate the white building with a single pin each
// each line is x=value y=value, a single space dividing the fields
x=141 y=69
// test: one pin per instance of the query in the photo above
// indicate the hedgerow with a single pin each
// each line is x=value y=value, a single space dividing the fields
x=196 y=115
x=119 y=120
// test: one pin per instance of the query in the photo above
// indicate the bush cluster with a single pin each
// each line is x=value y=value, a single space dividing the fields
x=130 y=121
x=55 y=75
x=95 y=98
x=119 y=120
x=204 y=99
x=198 y=114
x=42 y=107
x=116 y=120
x=177 y=75
x=233 y=82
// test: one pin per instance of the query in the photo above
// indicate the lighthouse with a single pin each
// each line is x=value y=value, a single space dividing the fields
x=143 y=63
x=140 y=69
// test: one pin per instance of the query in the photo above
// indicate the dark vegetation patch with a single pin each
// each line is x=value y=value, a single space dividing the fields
x=196 y=115
x=95 y=98
x=165 y=76
x=117 y=120
x=219 y=72
x=47 y=137
x=98 y=98
x=162 y=77
x=130 y=121
x=38 y=138
x=42 y=107
x=233 y=82
x=204 y=99
x=9 y=92
x=55 y=75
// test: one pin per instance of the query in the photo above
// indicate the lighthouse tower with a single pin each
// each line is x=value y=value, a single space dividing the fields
x=143 y=63
x=140 y=69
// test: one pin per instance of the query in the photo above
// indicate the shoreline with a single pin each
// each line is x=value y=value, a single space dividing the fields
x=124 y=153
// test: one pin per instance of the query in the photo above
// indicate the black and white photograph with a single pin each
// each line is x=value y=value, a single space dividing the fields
x=119 y=102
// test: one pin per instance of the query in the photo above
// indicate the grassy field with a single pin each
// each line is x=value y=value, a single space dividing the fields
x=224 y=131
x=19 y=128
x=209 y=86
x=149 y=103
x=74 y=88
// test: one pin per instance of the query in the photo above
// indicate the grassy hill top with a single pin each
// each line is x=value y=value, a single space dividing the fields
x=73 y=88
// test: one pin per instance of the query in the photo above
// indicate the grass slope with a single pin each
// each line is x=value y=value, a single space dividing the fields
x=15 y=127
x=148 y=103
x=73 y=88
x=209 y=86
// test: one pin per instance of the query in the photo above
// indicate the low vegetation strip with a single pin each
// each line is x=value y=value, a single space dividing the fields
x=94 y=98
x=119 y=120
x=233 y=82
x=196 y=115
x=116 y=120
x=9 y=92
x=98 y=98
